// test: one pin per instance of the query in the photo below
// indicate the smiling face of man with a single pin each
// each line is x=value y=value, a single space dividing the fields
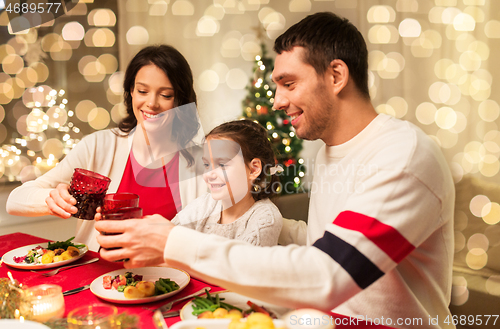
x=304 y=95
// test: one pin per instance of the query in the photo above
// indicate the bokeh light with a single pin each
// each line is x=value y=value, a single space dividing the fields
x=489 y=110
x=231 y=44
x=12 y=64
x=464 y=22
x=208 y=80
x=459 y=241
x=410 y=28
x=381 y=14
x=118 y=112
x=41 y=70
x=158 y=8
x=182 y=8
x=57 y=117
x=476 y=258
x=207 y=26
x=53 y=149
x=459 y=290
x=73 y=31
x=83 y=109
x=236 y=79
x=492 y=29
x=216 y=12
x=109 y=63
x=99 y=118
x=116 y=82
x=102 y=17
x=491 y=213
x=493 y=285
x=477 y=203
x=478 y=240
x=137 y=35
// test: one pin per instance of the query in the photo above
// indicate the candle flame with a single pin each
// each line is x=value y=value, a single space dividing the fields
x=11 y=278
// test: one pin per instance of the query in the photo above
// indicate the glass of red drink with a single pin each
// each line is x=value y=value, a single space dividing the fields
x=120 y=200
x=122 y=213
x=89 y=189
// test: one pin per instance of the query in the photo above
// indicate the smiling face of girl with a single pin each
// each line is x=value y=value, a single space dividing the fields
x=227 y=175
x=152 y=94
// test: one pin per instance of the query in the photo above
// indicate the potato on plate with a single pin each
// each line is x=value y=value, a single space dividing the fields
x=132 y=292
x=57 y=259
x=148 y=288
x=48 y=257
x=73 y=251
x=220 y=313
x=66 y=255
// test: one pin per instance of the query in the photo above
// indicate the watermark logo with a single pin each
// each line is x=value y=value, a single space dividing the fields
x=24 y=14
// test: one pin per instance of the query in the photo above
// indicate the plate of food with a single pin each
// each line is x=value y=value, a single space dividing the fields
x=223 y=305
x=140 y=285
x=45 y=255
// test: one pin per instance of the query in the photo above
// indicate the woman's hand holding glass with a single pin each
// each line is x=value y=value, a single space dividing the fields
x=60 y=202
x=141 y=241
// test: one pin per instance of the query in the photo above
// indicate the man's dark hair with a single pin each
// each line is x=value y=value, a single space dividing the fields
x=325 y=37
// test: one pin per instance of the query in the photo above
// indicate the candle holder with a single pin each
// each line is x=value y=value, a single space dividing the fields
x=47 y=302
x=93 y=316
x=14 y=302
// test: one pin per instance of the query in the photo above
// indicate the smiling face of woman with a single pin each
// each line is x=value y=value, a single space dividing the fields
x=152 y=94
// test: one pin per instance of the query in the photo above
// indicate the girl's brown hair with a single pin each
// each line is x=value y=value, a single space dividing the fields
x=254 y=143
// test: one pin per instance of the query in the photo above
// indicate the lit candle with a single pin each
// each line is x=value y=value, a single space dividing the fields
x=47 y=302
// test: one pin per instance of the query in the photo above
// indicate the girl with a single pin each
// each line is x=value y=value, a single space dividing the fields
x=145 y=148
x=240 y=174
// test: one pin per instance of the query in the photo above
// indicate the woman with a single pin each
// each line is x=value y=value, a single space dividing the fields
x=145 y=155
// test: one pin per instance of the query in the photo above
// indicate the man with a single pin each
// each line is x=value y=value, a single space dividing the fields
x=380 y=237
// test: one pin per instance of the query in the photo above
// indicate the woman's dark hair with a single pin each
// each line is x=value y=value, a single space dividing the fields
x=178 y=71
x=325 y=37
x=254 y=143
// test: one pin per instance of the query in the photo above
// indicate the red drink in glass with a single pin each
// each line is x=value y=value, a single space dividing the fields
x=121 y=214
x=120 y=200
x=89 y=189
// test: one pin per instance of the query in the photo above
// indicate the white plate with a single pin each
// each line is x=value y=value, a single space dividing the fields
x=237 y=300
x=16 y=324
x=213 y=324
x=148 y=274
x=8 y=258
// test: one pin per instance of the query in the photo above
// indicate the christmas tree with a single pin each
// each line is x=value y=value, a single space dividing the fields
x=258 y=106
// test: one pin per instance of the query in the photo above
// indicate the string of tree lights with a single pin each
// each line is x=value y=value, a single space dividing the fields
x=258 y=106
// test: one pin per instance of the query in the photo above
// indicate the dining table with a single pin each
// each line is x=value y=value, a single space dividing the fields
x=72 y=278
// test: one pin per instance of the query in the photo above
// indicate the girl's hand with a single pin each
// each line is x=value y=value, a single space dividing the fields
x=140 y=241
x=60 y=202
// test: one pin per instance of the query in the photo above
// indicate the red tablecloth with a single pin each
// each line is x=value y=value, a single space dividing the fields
x=80 y=276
